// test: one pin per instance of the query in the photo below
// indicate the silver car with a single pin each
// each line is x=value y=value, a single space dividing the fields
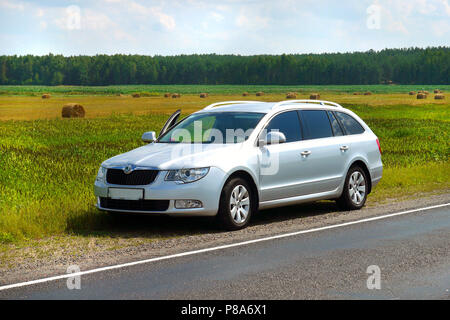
x=234 y=158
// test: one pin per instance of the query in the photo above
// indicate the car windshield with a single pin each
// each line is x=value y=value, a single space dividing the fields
x=213 y=127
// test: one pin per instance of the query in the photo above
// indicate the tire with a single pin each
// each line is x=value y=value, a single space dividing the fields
x=234 y=210
x=354 y=195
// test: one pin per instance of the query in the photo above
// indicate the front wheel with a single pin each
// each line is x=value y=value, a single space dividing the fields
x=236 y=204
x=355 y=190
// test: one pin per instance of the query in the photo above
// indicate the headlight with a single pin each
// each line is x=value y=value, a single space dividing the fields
x=186 y=175
x=101 y=174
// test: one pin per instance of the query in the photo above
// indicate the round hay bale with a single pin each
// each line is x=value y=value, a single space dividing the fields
x=176 y=95
x=73 y=110
x=166 y=95
x=412 y=93
x=421 y=96
x=356 y=93
x=291 y=95
x=259 y=93
x=314 y=96
x=203 y=95
x=46 y=96
x=437 y=91
x=439 y=96
x=426 y=92
x=367 y=93
x=119 y=95
x=245 y=94
x=136 y=95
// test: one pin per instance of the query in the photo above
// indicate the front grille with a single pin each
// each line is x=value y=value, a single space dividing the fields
x=135 y=178
x=137 y=205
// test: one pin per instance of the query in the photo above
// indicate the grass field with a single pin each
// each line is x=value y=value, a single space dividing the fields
x=211 y=89
x=48 y=165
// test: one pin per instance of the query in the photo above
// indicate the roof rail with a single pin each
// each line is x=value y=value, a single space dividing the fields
x=228 y=102
x=320 y=102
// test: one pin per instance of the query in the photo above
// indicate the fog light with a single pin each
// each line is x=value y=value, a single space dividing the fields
x=188 y=204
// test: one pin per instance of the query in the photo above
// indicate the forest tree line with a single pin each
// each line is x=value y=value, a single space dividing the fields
x=401 y=66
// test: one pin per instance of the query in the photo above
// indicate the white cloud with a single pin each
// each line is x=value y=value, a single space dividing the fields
x=217 y=16
x=163 y=18
x=446 y=6
x=251 y=21
x=12 y=5
x=42 y=25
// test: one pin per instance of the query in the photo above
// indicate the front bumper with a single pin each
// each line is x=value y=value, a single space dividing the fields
x=207 y=190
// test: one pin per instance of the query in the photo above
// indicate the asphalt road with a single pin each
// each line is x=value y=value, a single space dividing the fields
x=412 y=252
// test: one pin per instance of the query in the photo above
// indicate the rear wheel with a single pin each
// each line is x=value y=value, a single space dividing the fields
x=236 y=204
x=355 y=190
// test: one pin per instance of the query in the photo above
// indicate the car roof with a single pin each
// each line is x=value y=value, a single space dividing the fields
x=259 y=107
x=268 y=107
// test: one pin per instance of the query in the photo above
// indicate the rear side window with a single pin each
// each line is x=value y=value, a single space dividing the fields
x=351 y=126
x=316 y=124
x=337 y=130
x=287 y=123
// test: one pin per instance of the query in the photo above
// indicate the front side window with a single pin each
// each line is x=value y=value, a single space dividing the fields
x=316 y=124
x=351 y=126
x=213 y=127
x=287 y=123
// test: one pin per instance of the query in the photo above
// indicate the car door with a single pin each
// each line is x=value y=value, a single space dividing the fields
x=170 y=122
x=323 y=152
x=279 y=163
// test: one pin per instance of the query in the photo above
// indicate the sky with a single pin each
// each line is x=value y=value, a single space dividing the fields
x=245 y=27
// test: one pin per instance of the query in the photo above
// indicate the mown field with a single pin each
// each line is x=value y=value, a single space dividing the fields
x=48 y=165
x=156 y=90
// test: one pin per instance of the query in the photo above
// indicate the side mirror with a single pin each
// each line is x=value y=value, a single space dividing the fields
x=273 y=137
x=149 y=136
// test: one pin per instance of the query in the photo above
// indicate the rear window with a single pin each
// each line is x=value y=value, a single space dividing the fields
x=316 y=124
x=337 y=130
x=351 y=126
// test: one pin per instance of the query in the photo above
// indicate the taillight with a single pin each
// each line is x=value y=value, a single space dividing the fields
x=379 y=147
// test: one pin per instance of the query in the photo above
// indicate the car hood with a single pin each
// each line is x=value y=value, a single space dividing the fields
x=174 y=155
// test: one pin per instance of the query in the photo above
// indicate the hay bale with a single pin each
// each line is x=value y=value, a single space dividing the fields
x=367 y=93
x=259 y=93
x=291 y=95
x=46 y=96
x=437 y=91
x=412 y=93
x=356 y=93
x=426 y=92
x=119 y=95
x=203 y=95
x=439 y=96
x=73 y=110
x=176 y=95
x=166 y=95
x=136 y=95
x=245 y=94
x=314 y=96
x=421 y=95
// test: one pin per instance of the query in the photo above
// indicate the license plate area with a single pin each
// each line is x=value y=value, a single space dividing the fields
x=125 y=194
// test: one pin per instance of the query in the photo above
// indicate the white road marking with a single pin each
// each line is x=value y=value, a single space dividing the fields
x=188 y=253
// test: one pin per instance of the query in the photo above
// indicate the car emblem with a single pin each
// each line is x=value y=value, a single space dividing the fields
x=128 y=169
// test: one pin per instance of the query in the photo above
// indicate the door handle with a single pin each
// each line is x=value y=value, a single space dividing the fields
x=344 y=148
x=305 y=153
